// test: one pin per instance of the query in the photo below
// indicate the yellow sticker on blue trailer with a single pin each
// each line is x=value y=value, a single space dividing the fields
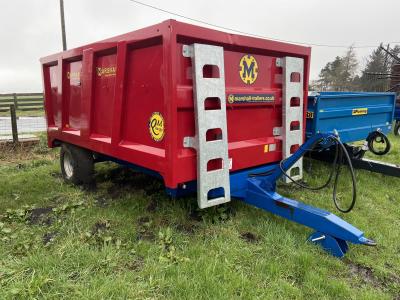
x=359 y=111
x=310 y=115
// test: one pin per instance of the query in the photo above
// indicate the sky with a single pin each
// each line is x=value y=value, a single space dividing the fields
x=30 y=29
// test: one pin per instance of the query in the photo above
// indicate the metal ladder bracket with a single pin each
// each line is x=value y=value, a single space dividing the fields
x=292 y=89
x=209 y=183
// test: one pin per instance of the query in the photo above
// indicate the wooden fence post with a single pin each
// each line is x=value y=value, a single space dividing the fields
x=14 y=124
x=15 y=100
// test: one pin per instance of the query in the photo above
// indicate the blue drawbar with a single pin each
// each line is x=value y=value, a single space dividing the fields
x=332 y=233
x=257 y=187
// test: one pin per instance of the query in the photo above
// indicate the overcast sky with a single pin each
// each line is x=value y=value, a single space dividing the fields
x=30 y=29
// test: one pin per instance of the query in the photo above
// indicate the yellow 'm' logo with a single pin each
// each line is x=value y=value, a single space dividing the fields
x=156 y=126
x=248 y=69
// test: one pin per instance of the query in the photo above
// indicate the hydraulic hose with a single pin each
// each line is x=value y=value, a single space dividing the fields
x=340 y=150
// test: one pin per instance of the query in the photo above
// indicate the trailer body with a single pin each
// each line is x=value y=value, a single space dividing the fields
x=352 y=115
x=130 y=98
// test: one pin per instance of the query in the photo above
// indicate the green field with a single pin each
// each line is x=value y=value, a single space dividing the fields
x=28 y=105
x=125 y=239
x=24 y=113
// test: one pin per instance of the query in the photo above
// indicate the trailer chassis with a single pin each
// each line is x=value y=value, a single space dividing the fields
x=358 y=161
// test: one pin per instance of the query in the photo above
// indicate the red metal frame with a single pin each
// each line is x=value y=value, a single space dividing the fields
x=152 y=75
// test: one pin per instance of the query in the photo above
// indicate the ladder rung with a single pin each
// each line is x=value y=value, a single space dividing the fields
x=213 y=118
x=212 y=149
x=215 y=177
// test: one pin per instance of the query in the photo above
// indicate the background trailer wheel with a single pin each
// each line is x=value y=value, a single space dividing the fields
x=397 y=128
x=378 y=143
x=77 y=164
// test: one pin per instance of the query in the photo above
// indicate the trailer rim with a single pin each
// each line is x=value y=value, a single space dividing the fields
x=397 y=128
x=68 y=167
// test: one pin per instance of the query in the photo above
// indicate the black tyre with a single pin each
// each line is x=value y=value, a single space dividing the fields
x=378 y=143
x=77 y=165
x=397 y=128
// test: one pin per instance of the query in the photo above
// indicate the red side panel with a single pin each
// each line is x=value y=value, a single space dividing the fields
x=73 y=92
x=103 y=99
x=52 y=97
x=143 y=95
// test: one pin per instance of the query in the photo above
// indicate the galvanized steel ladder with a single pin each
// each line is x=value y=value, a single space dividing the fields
x=213 y=186
x=292 y=111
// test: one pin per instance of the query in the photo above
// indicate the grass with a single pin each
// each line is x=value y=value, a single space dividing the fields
x=24 y=113
x=127 y=240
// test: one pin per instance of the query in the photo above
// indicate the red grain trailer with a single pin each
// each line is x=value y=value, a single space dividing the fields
x=204 y=110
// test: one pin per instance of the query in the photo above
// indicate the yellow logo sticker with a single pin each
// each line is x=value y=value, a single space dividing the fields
x=106 y=71
x=248 y=69
x=310 y=115
x=156 y=126
x=359 y=111
x=74 y=75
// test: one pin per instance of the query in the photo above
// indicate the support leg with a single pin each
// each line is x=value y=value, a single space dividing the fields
x=335 y=246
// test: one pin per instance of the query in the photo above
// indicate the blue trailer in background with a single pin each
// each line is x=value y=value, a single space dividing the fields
x=354 y=117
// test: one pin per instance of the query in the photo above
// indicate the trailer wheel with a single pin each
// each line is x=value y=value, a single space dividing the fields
x=397 y=128
x=77 y=164
x=378 y=143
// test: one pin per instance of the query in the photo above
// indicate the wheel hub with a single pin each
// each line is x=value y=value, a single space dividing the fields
x=68 y=168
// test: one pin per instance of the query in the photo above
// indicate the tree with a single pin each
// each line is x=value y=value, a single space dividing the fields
x=349 y=69
x=377 y=62
x=339 y=74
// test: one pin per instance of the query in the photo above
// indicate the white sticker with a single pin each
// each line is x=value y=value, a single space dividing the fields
x=230 y=164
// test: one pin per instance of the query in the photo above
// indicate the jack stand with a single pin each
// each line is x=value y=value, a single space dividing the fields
x=335 y=246
x=332 y=233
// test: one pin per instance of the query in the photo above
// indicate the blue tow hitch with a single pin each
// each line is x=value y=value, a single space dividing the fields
x=332 y=233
